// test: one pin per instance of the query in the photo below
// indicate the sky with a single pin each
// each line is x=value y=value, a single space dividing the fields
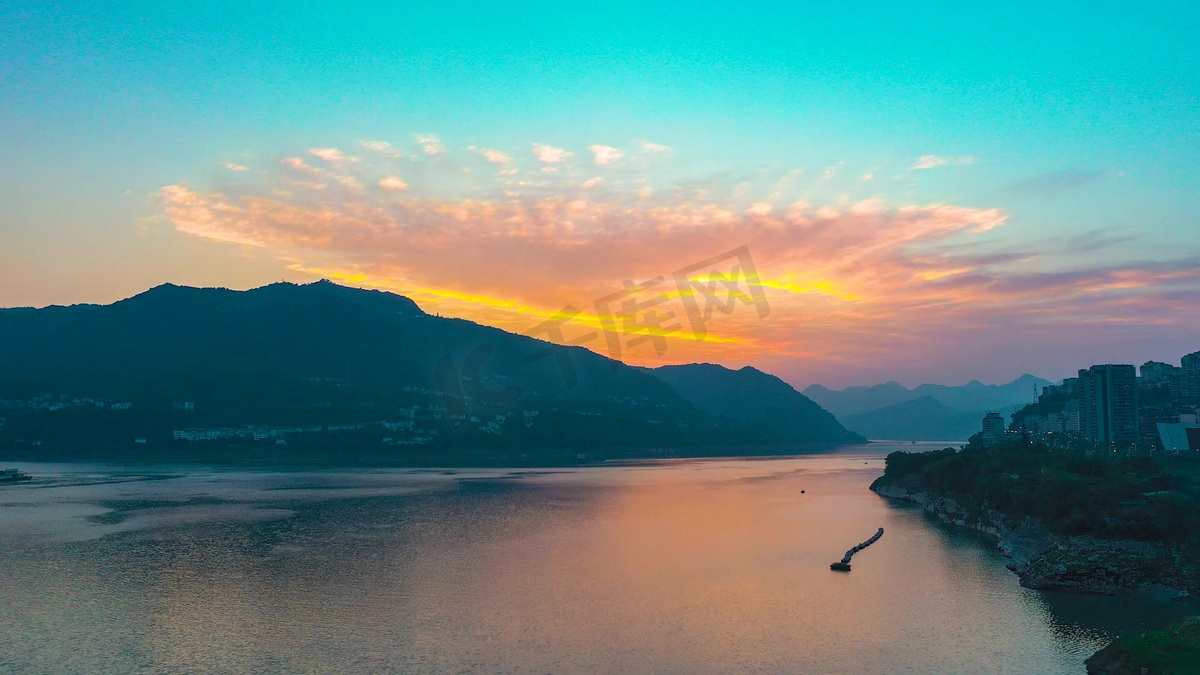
x=919 y=192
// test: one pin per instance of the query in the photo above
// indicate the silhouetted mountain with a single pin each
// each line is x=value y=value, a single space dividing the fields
x=971 y=397
x=770 y=406
x=975 y=395
x=852 y=400
x=922 y=419
x=300 y=356
x=318 y=331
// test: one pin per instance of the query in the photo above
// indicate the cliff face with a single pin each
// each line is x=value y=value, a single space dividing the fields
x=1045 y=561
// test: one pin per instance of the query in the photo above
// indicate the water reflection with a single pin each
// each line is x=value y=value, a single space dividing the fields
x=710 y=566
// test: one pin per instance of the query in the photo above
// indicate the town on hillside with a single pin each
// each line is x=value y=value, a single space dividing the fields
x=1112 y=406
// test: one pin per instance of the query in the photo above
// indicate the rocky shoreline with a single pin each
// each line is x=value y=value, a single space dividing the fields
x=1044 y=560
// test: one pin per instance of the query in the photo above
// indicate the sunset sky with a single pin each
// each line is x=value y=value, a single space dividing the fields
x=928 y=192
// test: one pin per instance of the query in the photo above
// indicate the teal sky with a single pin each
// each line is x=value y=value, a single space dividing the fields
x=1079 y=120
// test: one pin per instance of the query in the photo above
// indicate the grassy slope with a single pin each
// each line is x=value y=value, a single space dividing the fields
x=1175 y=649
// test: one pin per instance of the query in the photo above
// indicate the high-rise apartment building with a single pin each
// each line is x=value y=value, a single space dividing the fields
x=1108 y=404
x=1191 y=374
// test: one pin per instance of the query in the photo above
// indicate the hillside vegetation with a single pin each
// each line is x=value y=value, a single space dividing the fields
x=1072 y=492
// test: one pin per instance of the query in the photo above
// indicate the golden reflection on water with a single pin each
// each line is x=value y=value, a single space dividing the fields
x=688 y=567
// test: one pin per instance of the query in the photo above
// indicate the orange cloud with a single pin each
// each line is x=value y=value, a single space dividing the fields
x=850 y=284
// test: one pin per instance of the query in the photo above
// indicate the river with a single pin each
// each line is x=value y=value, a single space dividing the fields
x=685 y=566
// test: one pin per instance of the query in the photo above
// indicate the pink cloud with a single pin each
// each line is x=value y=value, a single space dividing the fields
x=605 y=154
x=936 y=161
x=430 y=144
x=382 y=148
x=548 y=154
x=332 y=155
x=297 y=164
x=393 y=183
x=492 y=156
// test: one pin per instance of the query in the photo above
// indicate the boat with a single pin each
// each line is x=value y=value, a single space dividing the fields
x=13 y=476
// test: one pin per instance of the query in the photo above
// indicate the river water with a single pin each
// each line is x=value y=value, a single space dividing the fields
x=689 y=566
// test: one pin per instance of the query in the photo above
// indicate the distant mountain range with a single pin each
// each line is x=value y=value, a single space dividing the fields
x=921 y=419
x=926 y=412
x=240 y=365
x=751 y=397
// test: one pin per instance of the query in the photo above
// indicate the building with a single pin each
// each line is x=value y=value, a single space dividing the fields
x=1159 y=374
x=1072 y=417
x=1067 y=389
x=1179 y=436
x=194 y=435
x=1149 y=419
x=1191 y=375
x=1070 y=386
x=993 y=428
x=1108 y=404
x=1155 y=373
x=1036 y=424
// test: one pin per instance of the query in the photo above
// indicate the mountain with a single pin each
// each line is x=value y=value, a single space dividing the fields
x=921 y=419
x=318 y=368
x=852 y=400
x=763 y=401
x=932 y=412
x=318 y=332
x=970 y=397
x=975 y=395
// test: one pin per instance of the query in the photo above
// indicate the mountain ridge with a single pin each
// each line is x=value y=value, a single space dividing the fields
x=920 y=419
x=927 y=412
x=969 y=397
x=756 y=397
x=289 y=354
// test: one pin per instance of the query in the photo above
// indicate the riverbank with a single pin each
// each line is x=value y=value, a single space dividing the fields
x=1044 y=560
x=324 y=455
